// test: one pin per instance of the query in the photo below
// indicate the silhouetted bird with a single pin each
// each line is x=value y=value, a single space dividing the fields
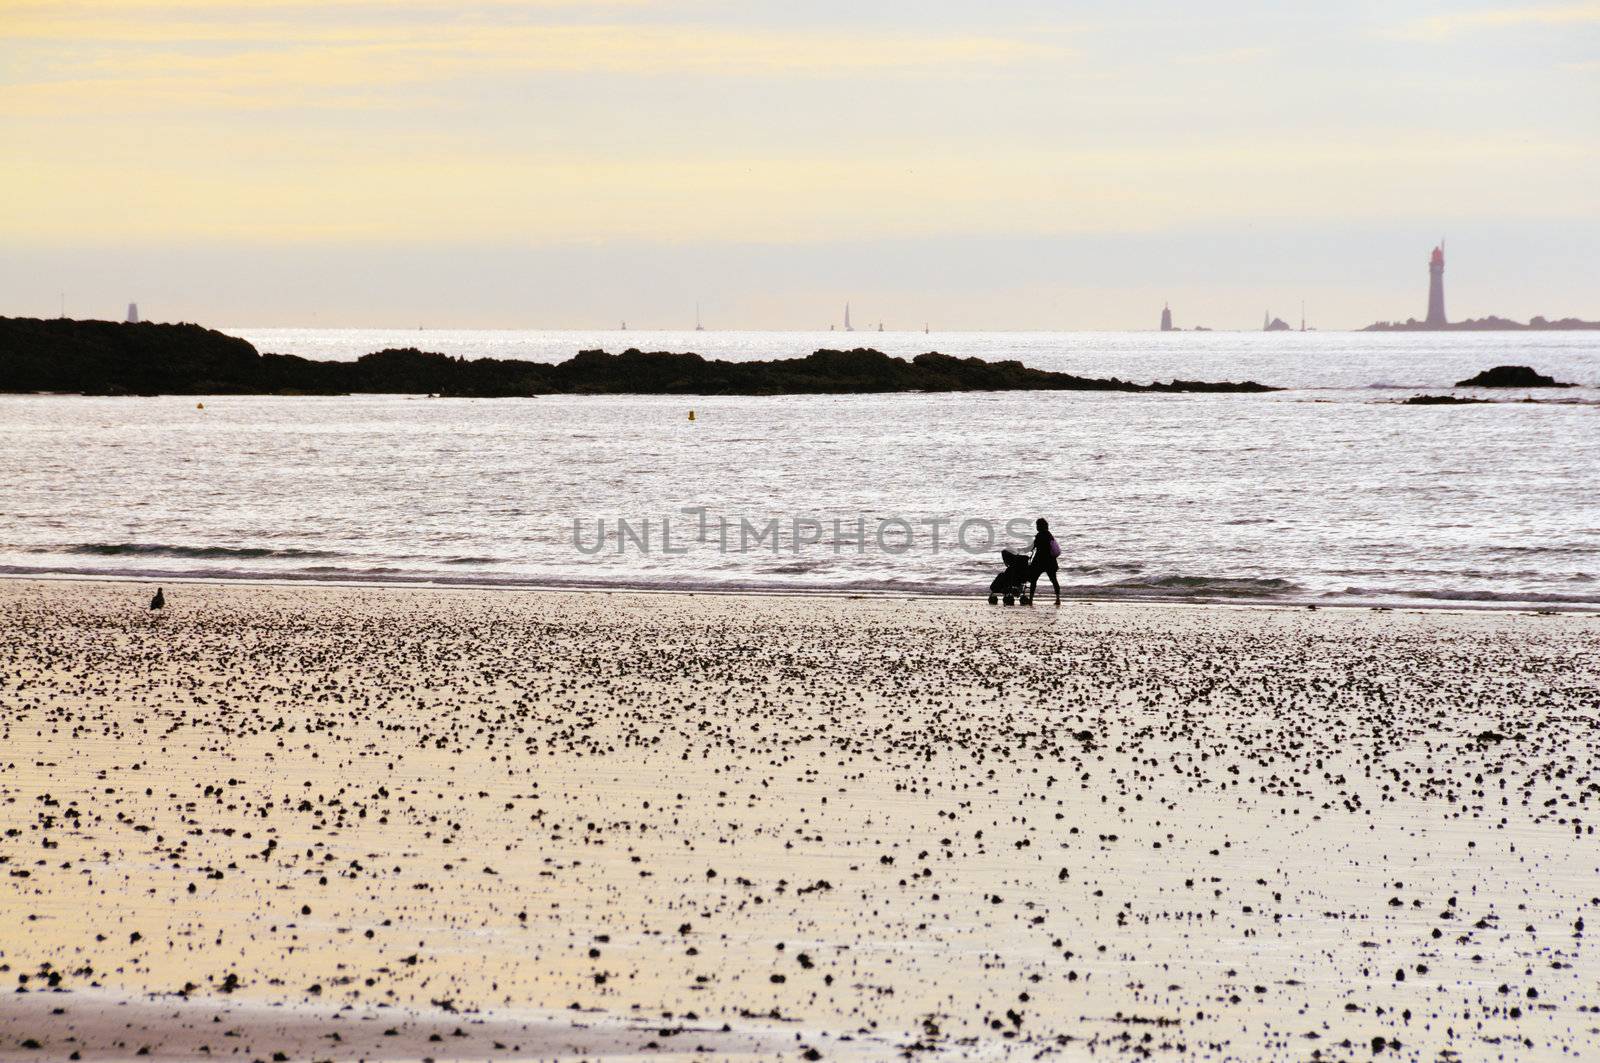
x=159 y=601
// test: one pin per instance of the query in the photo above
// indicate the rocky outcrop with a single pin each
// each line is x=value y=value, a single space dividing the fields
x=1443 y=400
x=1511 y=376
x=1484 y=324
x=106 y=357
x=100 y=357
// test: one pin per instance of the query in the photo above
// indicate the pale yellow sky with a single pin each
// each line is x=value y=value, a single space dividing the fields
x=241 y=131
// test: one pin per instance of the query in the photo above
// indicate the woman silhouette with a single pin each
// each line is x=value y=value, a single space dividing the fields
x=1045 y=550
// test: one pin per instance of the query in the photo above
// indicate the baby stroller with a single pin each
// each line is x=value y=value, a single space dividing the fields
x=1013 y=582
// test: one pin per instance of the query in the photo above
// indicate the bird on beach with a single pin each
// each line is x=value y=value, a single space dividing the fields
x=159 y=601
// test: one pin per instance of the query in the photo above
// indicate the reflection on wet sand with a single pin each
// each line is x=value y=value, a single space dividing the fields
x=657 y=824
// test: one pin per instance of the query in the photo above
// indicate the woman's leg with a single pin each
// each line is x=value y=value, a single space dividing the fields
x=1034 y=572
x=1052 y=574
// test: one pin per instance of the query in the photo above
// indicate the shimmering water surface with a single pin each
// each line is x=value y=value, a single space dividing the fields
x=1329 y=491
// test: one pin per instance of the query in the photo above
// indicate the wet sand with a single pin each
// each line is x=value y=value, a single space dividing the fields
x=300 y=822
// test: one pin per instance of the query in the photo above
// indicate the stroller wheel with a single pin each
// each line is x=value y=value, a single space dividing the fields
x=994 y=599
x=1010 y=600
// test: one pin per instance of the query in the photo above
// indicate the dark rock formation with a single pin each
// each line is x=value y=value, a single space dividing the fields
x=1511 y=376
x=1443 y=400
x=104 y=357
x=1277 y=324
x=100 y=357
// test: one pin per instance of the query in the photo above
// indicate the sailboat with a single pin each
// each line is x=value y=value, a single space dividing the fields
x=697 y=326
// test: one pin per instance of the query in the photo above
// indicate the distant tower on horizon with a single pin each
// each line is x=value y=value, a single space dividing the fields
x=133 y=313
x=1436 y=316
x=847 y=327
x=1166 y=318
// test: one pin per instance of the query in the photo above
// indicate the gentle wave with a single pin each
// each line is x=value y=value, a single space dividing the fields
x=1204 y=586
x=1167 y=589
x=202 y=552
x=1492 y=597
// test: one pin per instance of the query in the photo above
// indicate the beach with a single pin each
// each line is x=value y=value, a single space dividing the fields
x=303 y=821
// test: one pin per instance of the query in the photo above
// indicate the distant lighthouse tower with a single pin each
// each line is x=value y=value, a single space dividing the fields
x=1166 y=319
x=1436 y=317
x=133 y=313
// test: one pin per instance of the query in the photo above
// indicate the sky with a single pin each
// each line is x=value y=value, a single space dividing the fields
x=1013 y=164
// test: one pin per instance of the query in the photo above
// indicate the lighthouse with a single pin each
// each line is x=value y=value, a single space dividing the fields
x=1436 y=288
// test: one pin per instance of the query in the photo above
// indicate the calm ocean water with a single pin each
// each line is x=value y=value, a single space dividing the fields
x=1330 y=491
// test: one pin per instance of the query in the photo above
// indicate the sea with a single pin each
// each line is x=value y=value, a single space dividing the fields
x=1331 y=491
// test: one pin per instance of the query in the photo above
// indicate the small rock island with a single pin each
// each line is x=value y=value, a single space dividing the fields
x=1512 y=376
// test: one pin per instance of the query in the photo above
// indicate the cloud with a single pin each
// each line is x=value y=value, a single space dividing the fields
x=1437 y=26
x=120 y=64
x=228 y=8
x=1228 y=56
x=687 y=121
x=241 y=185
